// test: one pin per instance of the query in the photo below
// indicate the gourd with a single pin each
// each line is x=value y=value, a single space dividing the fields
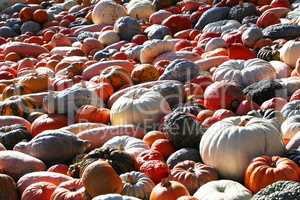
x=182 y=129
x=147 y=155
x=137 y=184
x=18 y=106
x=157 y=170
x=17 y=164
x=114 y=197
x=223 y=189
x=239 y=132
x=183 y=154
x=239 y=12
x=53 y=146
x=127 y=27
x=34 y=82
x=269 y=53
x=138 y=107
x=102 y=12
x=251 y=35
x=244 y=73
x=24 y=49
x=8 y=188
x=290 y=127
x=121 y=161
x=13 y=134
x=177 y=22
x=109 y=37
x=285 y=31
x=290 y=109
x=159 y=16
x=144 y=73
x=263 y=171
x=221 y=26
x=156 y=31
x=284 y=190
x=80 y=127
x=140 y=9
x=289 y=52
x=212 y=15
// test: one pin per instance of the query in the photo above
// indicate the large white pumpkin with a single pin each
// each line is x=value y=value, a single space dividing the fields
x=223 y=190
x=244 y=72
x=290 y=52
x=107 y=12
x=230 y=145
x=139 y=107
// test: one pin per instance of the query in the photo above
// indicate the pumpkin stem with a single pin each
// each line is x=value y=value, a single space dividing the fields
x=243 y=122
x=165 y=183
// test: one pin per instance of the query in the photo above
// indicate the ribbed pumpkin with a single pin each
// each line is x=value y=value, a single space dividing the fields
x=38 y=191
x=18 y=106
x=69 y=190
x=89 y=113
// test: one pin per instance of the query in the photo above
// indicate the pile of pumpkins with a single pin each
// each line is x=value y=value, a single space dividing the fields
x=149 y=100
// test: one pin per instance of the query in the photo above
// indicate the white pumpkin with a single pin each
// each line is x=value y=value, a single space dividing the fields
x=114 y=197
x=223 y=190
x=107 y=12
x=215 y=43
x=229 y=145
x=139 y=107
x=245 y=73
x=291 y=109
x=290 y=127
x=130 y=145
x=221 y=26
x=282 y=70
x=140 y=9
x=109 y=37
x=290 y=52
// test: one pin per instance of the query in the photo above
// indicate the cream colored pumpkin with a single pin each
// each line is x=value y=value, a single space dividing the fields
x=291 y=109
x=137 y=184
x=290 y=127
x=223 y=190
x=140 y=9
x=221 y=26
x=282 y=69
x=107 y=12
x=245 y=73
x=290 y=52
x=139 y=107
x=229 y=145
x=109 y=37
x=114 y=197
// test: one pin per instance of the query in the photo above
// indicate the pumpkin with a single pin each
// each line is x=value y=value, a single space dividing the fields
x=90 y=113
x=100 y=178
x=155 y=48
x=121 y=161
x=102 y=12
x=140 y=9
x=69 y=190
x=144 y=73
x=222 y=94
x=290 y=109
x=164 y=146
x=48 y=122
x=275 y=103
x=151 y=136
x=24 y=49
x=183 y=154
x=251 y=35
x=18 y=106
x=269 y=53
x=54 y=146
x=139 y=107
x=157 y=170
x=14 y=89
x=192 y=175
x=59 y=168
x=177 y=22
x=223 y=189
x=267 y=18
x=137 y=184
x=294 y=142
x=127 y=27
x=289 y=52
x=13 y=134
x=271 y=115
x=168 y=190
x=16 y=164
x=182 y=129
x=43 y=176
x=290 y=127
x=34 y=82
x=281 y=189
x=239 y=12
x=296 y=95
x=212 y=15
x=8 y=189
x=294 y=155
x=147 y=155
x=239 y=132
x=221 y=26
x=108 y=37
x=114 y=197
x=38 y=191
x=12 y=120
x=245 y=73
x=282 y=31
x=246 y=106
x=269 y=170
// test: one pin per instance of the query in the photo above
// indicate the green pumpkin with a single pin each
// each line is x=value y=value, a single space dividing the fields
x=11 y=135
x=17 y=106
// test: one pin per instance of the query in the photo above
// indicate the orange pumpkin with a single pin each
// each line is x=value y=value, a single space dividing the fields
x=265 y=170
x=144 y=73
x=69 y=190
x=204 y=114
x=35 y=82
x=164 y=146
x=152 y=136
x=14 y=89
x=38 y=191
x=59 y=168
x=89 y=113
x=48 y=122
x=26 y=14
x=168 y=190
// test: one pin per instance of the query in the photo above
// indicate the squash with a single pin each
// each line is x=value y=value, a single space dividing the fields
x=59 y=168
x=69 y=190
x=182 y=155
x=99 y=135
x=139 y=107
x=212 y=15
x=239 y=132
x=156 y=31
x=13 y=134
x=208 y=63
x=289 y=52
x=290 y=109
x=35 y=82
x=53 y=146
x=90 y=113
x=140 y=9
x=144 y=73
x=275 y=103
x=161 y=4
x=127 y=27
x=177 y=22
x=221 y=26
x=102 y=12
x=290 y=127
x=38 y=191
x=168 y=190
x=180 y=70
x=157 y=170
x=284 y=31
x=294 y=155
x=14 y=89
x=285 y=190
x=223 y=189
x=8 y=188
x=282 y=69
x=108 y=37
x=215 y=43
x=265 y=170
x=100 y=178
x=42 y=176
x=273 y=116
x=192 y=175
x=244 y=73
x=18 y=106
x=251 y=35
x=137 y=184
x=182 y=129
x=269 y=53
x=80 y=127
x=114 y=197
x=239 y=12
x=17 y=164
x=24 y=49
x=294 y=143
x=12 y=120
x=159 y=16
x=147 y=155
x=121 y=161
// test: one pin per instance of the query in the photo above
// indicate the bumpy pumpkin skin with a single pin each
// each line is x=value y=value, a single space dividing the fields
x=8 y=189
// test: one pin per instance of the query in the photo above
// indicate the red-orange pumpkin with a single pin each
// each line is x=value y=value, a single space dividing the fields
x=164 y=146
x=69 y=190
x=38 y=191
x=89 y=113
x=168 y=190
x=59 y=168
